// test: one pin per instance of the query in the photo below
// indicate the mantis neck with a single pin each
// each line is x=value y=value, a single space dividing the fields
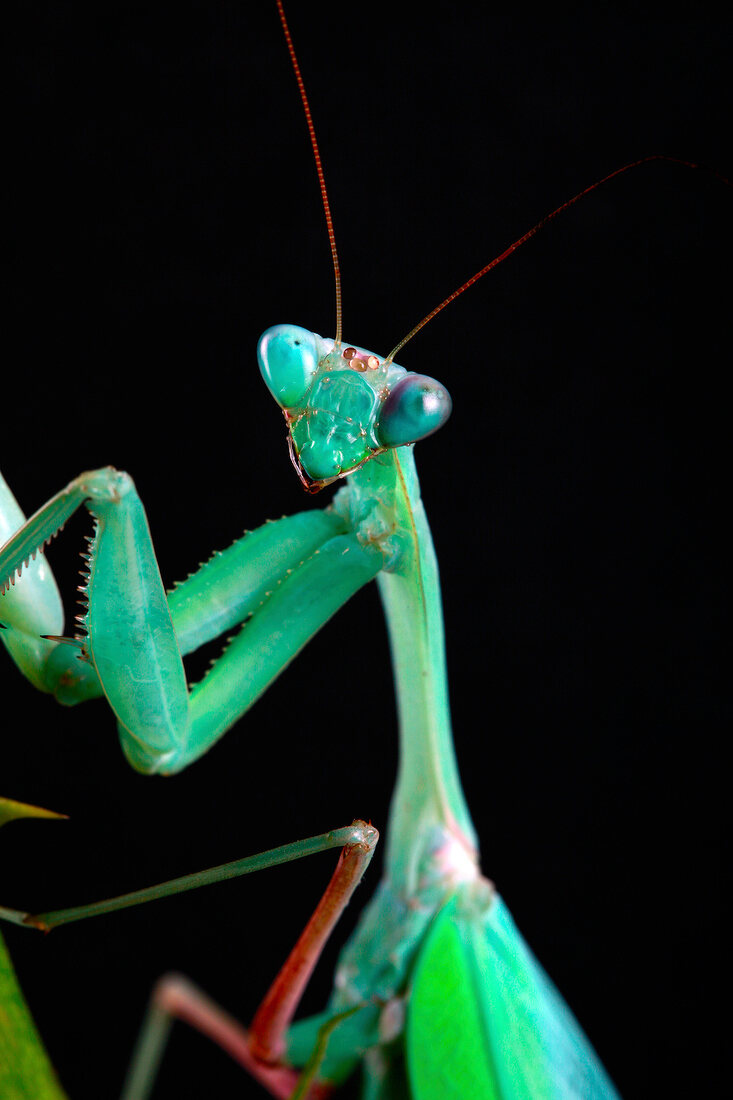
x=431 y=837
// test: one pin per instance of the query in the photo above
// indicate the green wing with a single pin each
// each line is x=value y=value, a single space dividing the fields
x=486 y=1023
x=448 y=1052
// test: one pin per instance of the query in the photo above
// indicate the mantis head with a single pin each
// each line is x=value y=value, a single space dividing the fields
x=343 y=405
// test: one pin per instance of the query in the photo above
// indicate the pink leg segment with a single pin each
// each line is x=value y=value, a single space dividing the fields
x=260 y=1050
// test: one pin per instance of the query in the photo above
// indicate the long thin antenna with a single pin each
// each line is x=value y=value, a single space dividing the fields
x=319 y=166
x=531 y=232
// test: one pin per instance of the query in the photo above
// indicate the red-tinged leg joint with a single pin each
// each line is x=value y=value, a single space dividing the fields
x=273 y=1017
x=181 y=999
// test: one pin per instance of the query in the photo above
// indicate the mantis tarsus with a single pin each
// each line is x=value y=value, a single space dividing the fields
x=528 y=417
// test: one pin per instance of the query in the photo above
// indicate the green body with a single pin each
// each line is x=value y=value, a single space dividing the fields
x=436 y=993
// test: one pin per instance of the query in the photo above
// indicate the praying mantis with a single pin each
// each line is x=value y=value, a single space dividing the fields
x=503 y=426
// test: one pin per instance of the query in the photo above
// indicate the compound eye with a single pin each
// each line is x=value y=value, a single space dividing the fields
x=288 y=360
x=416 y=407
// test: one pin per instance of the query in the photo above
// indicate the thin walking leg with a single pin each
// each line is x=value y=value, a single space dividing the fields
x=259 y=1050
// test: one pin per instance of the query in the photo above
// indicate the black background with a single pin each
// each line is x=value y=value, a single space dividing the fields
x=163 y=210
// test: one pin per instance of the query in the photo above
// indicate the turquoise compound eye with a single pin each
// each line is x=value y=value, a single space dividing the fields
x=288 y=360
x=416 y=407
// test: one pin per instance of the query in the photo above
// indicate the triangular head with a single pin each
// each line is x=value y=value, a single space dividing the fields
x=342 y=404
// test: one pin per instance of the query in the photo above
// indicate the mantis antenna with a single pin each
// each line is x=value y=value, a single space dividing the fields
x=319 y=167
x=535 y=229
x=492 y=263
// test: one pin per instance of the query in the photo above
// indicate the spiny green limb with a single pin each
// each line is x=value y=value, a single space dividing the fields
x=292 y=613
x=22 y=547
x=31 y=606
x=351 y=836
x=131 y=640
x=234 y=582
x=106 y=485
x=287 y=579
